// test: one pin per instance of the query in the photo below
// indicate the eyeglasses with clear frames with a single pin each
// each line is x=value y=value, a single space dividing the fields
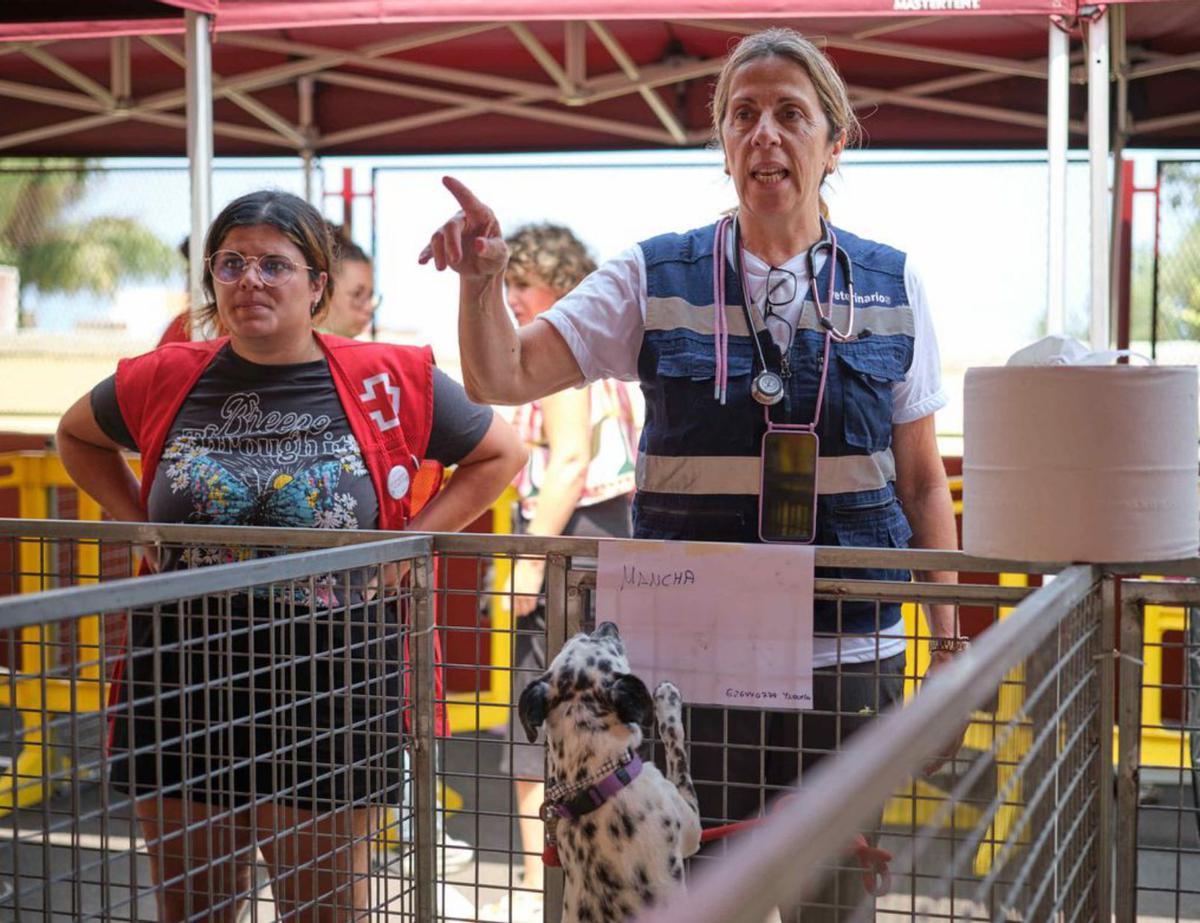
x=228 y=267
x=368 y=298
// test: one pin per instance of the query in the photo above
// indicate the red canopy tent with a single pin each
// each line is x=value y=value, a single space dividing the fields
x=406 y=76
x=391 y=76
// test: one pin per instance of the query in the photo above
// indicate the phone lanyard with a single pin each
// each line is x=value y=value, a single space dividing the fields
x=767 y=386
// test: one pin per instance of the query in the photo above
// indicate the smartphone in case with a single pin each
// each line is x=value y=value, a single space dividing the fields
x=787 y=499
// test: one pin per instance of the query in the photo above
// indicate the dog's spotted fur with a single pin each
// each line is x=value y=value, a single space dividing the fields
x=628 y=853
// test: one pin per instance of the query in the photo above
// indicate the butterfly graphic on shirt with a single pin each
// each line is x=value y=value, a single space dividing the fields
x=306 y=498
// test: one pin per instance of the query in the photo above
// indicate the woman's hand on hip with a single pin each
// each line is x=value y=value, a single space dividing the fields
x=528 y=574
x=471 y=242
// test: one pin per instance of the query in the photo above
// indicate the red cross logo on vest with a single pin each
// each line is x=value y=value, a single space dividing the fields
x=379 y=389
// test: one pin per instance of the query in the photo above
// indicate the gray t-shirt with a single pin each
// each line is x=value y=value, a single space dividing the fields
x=270 y=445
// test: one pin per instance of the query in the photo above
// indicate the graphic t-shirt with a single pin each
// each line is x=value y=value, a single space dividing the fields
x=270 y=445
x=263 y=445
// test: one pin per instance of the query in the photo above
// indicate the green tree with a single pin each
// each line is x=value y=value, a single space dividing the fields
x=54 y=253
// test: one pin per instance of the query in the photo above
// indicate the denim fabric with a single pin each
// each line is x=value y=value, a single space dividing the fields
x=677 y=368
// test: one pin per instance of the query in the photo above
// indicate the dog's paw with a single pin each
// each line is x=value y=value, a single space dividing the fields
x=668 y=703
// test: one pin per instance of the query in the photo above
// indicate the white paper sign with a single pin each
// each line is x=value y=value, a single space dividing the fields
x=727 y=624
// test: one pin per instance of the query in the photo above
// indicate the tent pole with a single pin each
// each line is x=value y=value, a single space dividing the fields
x=1121 y=242
x=1057 y=120
x=199 y=143
x=305 y=87
x=1098 y=150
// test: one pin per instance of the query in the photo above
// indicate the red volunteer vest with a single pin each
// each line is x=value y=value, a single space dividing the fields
x=385 y=390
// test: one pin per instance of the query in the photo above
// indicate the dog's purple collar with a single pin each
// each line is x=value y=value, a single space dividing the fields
x=574 y=804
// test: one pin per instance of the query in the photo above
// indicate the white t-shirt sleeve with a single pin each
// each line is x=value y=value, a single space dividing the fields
x=604 y=318
x=920 y=393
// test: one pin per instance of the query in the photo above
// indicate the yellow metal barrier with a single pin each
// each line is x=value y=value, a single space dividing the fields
x=35 y=691
x=490 y=707
x=1162 y=747
x=918 y=802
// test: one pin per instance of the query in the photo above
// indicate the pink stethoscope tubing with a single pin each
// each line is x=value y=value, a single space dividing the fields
x=721 y=323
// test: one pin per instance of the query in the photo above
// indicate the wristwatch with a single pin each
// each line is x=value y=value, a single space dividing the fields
x=950 y=645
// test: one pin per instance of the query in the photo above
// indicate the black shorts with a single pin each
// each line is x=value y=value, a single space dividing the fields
x=237 y=700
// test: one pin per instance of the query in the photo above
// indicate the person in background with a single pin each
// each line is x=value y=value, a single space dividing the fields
x=353 y=303
x=747 y=322
x=267 y=427
x=179 y=330
x=578 y=481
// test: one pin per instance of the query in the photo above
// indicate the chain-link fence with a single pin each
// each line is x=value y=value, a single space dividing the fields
x=1175 y=308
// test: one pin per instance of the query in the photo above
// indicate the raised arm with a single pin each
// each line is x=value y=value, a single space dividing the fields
x=922 y=488
x=95 y=464
x=500 y=364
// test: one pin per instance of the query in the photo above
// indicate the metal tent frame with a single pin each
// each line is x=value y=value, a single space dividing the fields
x=569 y=98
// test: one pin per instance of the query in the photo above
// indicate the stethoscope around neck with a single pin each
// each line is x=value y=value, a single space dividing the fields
x=767 y=386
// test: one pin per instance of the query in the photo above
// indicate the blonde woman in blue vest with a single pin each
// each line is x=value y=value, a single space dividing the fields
x=855 y=362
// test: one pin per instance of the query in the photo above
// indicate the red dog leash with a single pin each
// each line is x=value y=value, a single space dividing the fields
x=876 y=876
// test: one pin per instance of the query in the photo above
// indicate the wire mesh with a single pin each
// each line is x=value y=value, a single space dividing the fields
x=211 y=740
x=1018 y=829
x=750 y=757
x=1160 y=752
x=1015 y=827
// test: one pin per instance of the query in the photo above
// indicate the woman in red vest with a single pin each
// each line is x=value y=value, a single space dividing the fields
x=272 y=425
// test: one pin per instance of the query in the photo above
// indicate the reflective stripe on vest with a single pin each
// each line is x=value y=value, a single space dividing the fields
x=733 y=474
x=674 y=313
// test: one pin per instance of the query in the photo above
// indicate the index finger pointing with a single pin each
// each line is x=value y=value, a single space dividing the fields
x=466 y=198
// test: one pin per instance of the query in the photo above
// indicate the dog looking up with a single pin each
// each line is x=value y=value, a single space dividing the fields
x=621 y=827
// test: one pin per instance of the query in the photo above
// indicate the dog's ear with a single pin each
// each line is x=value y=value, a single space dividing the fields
x=631 y=699
x=532 y=707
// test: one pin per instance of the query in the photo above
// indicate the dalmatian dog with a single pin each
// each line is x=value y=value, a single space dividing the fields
x=621 y=828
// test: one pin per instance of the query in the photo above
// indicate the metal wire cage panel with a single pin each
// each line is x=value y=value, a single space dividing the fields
x=251 y=672
x=1021 y=829
x=237 y=736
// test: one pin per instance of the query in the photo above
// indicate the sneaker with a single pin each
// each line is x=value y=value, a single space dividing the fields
x=515 y=907
x=453 y=854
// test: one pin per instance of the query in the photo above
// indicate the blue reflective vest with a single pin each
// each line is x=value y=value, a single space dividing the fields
x=699 y=461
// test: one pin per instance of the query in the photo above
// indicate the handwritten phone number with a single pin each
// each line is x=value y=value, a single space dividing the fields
x=732 y=693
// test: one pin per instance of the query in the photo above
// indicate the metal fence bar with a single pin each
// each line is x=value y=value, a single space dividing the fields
x=558 y=631
x=841 y=794
x=1129 y=718
x=513 y=545
x=67 y=602
x=1107 y=664
x=423 y=740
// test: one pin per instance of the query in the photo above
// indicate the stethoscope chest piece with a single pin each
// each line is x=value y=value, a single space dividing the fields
x=767 y=388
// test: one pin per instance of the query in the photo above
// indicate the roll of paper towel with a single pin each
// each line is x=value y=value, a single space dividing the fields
x=1080 y=463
